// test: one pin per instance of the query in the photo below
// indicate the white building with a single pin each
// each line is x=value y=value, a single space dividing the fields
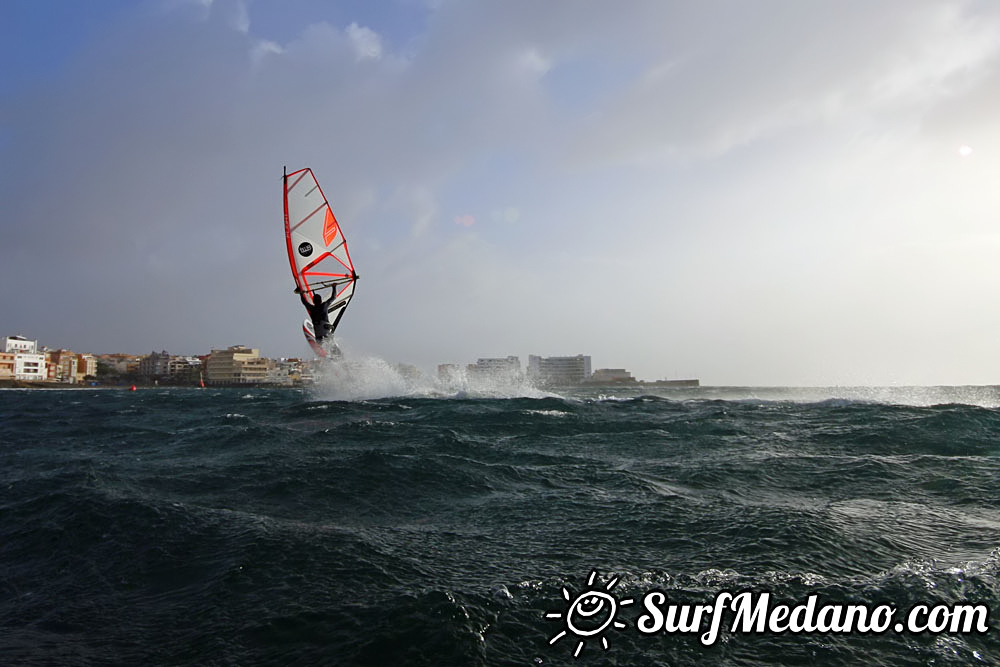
x=29 y=366
x=284 y=371
x=611 y=376
x=559 y=370
x=20 y=344
x=497 y=367
x=498 y=364
x=28 y=363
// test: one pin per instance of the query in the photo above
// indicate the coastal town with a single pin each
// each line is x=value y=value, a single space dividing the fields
x=25 y=363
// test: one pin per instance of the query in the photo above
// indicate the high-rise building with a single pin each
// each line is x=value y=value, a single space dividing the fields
x=496 y=366
x=559 y=370
x=495 y=369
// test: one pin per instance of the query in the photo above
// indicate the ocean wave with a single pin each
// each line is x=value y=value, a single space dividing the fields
x=420 y=529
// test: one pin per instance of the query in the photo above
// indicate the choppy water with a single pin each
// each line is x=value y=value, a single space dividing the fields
x=246 y=527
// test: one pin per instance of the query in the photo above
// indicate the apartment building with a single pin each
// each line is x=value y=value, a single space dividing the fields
x=505 y=367
x=559 y=371
x=6 y=365
x=62 y=366
x=154 y=364
x=86 y=366
x=236 y=364
x=29 y=364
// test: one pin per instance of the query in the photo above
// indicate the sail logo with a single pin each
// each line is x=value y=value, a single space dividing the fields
x=590 y=613
x=305 y=249
x=329 y=227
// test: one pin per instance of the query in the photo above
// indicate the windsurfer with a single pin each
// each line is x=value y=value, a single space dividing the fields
x=317 y=254
x=319 y=314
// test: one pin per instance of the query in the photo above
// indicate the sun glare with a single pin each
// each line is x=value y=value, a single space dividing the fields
x=965 y=150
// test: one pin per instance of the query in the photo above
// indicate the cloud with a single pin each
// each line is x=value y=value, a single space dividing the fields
x=533 y=61
x=234 y=14
x=263 y=48
x=240 y=17
x=367 y=44
x=762 y=193
x=702 y=100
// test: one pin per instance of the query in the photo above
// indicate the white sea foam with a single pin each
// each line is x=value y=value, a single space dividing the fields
x=547 y=413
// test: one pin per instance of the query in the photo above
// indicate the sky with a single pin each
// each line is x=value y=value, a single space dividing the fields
x=749 y=193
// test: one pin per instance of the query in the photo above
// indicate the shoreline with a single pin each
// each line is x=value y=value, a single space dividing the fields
x=31 y=384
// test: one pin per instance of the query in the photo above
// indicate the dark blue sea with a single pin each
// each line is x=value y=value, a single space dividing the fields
x=300 y=527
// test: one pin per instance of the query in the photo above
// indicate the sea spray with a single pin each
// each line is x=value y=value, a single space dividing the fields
x=351 y=377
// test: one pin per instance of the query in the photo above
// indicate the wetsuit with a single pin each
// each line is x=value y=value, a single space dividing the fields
x=319 y=315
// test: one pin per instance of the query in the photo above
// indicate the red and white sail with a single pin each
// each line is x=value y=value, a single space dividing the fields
x=317 y=250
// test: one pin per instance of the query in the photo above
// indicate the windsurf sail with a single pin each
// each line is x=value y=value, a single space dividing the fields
x=317 y=250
